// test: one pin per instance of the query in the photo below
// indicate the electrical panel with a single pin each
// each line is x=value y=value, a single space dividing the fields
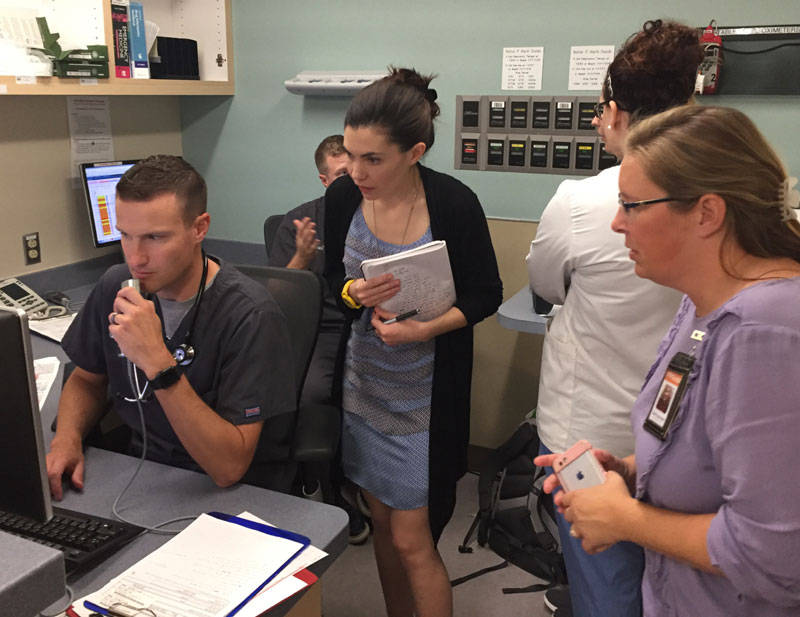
x=529 y=134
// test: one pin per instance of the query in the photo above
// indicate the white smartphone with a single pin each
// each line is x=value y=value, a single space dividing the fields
x=578 y=468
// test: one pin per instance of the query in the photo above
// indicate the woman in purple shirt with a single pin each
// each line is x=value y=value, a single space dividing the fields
x=711 y=493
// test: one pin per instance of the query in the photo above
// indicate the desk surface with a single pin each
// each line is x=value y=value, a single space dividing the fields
x=161 y=492
x=516 y=313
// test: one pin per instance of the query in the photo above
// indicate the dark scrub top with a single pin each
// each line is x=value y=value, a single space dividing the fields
x=240 y=368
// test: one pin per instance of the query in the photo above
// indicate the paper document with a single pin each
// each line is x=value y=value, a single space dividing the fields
x=208 y=570
x=46 y=370
x=426 y=280
x=89 y=119
x=54 y=328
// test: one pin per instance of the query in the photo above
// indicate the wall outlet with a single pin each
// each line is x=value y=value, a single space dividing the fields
x=33 y=250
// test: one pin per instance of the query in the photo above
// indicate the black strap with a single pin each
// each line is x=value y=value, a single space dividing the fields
x=463 y=547
x=469 y=577
x=529 y=589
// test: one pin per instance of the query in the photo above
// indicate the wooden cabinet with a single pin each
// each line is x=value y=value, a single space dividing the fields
x=206 y=21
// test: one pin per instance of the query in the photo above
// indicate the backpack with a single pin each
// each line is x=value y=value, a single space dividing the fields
x=515 y=517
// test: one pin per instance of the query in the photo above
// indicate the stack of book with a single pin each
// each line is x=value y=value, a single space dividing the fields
x=130 y=45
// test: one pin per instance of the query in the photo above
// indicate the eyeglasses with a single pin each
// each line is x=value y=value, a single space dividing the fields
x=125 y=610
x=630 y=205
x=599 y=108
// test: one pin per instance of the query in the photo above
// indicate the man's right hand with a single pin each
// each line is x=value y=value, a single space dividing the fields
x=65 y=458
x=306 y=243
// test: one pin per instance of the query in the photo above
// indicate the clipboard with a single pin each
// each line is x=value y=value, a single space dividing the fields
x=96 y=602
x=272 y=531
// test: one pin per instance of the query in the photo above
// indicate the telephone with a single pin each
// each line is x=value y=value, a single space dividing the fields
x=16 y=294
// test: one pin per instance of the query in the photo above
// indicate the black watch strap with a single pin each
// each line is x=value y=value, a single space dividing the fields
x=166 y=378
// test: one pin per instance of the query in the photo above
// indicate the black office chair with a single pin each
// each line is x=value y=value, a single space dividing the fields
x=271 y=225
x=317 y=427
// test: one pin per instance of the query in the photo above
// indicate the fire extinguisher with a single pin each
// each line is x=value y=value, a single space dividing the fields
x=708 y=73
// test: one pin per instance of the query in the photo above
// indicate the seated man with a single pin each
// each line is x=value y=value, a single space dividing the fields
x=200 y=352
x=299 y=244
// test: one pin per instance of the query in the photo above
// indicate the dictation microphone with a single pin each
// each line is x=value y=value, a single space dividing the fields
x=126 y=283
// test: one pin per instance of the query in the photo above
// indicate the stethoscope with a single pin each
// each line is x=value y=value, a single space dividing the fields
x=184 y=353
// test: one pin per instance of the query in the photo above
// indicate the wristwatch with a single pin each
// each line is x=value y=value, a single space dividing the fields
x=347 y=298
x=166 y=378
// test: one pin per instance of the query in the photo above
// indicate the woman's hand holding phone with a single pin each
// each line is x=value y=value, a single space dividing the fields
x=594 y=503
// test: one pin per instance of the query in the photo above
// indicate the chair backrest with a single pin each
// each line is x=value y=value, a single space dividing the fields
x=299 y=296
x=271 y=225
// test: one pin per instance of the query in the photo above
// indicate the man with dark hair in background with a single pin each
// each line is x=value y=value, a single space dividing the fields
x=199 y=349
x=299 y=244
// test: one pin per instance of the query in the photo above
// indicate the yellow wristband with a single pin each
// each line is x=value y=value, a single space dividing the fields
x=346 y=298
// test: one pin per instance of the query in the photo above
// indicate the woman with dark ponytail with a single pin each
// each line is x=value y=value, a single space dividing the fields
x=405 y=386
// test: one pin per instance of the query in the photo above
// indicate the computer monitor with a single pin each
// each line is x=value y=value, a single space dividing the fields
x=23 y=474
x=100 y=185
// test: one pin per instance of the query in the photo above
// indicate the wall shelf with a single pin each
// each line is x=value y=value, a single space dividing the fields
x=207 y=21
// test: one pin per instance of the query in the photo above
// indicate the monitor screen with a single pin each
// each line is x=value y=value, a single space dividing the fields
x=100 y=185
x=23 y=475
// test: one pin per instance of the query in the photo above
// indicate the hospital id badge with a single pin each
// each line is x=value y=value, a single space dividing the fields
x=669 y=396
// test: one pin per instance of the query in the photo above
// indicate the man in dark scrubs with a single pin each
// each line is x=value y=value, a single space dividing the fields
x=198 y=352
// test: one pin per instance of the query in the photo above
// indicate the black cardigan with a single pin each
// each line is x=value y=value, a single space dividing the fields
x=457 y=218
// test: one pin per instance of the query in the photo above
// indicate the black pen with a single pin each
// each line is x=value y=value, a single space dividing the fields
x=401 y=317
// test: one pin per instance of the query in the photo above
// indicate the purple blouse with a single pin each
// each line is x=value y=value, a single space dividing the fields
x=732 y=450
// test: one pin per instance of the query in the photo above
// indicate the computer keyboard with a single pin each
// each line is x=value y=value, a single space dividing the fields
x=84 y=539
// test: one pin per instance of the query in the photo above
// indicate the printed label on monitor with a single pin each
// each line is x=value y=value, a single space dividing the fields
x=516 y=153
x=497 y=114
x=519 y=114
x=538 y=154
x=496 y=152
x=469 y=151
x=584 y=155
x=564 y=115
x=470 y=114
x=561 y=155
x=541 y=114
x=585 y=116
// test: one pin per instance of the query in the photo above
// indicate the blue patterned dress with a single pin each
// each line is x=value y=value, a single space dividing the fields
x=386 y=395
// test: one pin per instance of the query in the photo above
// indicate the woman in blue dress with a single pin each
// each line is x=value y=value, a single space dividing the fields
x=404 y=386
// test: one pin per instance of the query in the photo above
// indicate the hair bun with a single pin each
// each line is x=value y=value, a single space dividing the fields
x=430 y=95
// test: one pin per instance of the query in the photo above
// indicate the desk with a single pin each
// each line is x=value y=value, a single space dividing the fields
x=516 y=313
x=161 y=492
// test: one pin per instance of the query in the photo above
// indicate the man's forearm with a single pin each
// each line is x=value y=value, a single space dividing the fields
x=223 y=450
x=81 y=405
x=299 y=261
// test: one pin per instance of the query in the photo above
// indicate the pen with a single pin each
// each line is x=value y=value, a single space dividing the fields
x=401 y=317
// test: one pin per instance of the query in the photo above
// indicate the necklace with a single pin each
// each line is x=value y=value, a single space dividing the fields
x=408 y=220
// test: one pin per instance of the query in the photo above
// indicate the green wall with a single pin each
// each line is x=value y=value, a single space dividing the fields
x=256 y=148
